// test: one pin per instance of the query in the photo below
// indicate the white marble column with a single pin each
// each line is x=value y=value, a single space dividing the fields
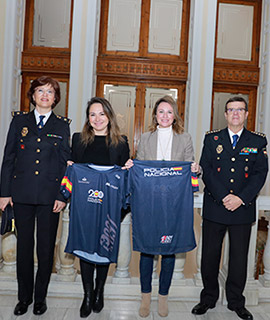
x=266 y=259
x=198 y=275
x=1 y=257
x=10 y=62
x=178 y=274
x=263 y=109
x=9 y=242
x=265 y=278
x=84 y=46
x=198 y=203
x=65 y=270
x=124 y=254
x=201 y=65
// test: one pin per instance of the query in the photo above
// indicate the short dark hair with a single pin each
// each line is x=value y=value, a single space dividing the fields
x=42 y=81
x=234 y=99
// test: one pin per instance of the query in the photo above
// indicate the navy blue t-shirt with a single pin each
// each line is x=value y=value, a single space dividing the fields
x=97 y=195
x=161 y=199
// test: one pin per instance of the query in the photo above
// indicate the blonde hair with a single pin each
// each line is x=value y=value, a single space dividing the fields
x=178 y=125
x=113 y=136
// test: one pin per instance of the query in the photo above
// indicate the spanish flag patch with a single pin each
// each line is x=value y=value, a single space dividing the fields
x=67 y=184
x=194 y=182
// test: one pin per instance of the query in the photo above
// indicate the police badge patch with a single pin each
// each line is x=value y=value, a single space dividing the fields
x=24 y=131
x=219 y=148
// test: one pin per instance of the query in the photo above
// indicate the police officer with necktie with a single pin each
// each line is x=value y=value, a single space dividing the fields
x=235 y=165
x=34 y=162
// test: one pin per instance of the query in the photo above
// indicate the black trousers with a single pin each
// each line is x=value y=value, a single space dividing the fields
x=87 y=274
x=47 y=223
x=239 y=236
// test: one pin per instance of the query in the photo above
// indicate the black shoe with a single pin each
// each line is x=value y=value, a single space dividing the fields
x=201 y=308
x=98 y=300
x=40 y=308
x=21 y=308
x=86 y=306
x=242 y=313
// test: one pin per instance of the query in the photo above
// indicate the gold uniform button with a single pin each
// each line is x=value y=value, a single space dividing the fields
x=232 y=169
x=246 y=159
x=36 y=173
x=38 y=139
x=55 y=143
x=37 y=161
x=231 y=191
x=21 y=140
x=38 y=150
x=232 y=180
x=218 y=158
x=233 y=159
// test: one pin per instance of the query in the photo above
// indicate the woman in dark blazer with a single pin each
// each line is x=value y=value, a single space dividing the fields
x=34 y=163
x=99 y=143
x=166 y=140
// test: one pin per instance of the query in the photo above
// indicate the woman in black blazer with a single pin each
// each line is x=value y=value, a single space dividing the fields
x=99 y=143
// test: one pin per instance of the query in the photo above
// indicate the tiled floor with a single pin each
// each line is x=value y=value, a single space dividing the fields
x=68 y=309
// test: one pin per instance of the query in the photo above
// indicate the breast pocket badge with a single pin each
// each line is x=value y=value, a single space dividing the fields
x=219 y=148
x=24 y=131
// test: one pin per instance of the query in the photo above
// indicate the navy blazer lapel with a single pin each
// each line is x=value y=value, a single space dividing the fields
x=225 y=140
x=49 y=125
x=243 y=140
x=32 y=122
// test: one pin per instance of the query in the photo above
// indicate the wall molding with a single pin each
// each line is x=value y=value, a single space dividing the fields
x=142 y=68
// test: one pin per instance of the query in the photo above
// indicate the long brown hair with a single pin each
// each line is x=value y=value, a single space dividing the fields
x=113 y=136
x=177 y=126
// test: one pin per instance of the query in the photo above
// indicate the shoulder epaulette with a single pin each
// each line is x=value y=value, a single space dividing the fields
x=213 y=131
x=64 y=119
x=259 y=133
x=18 y=113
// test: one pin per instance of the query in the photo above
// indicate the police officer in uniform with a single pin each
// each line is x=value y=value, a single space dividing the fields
x=235 y=165
x=35 y=157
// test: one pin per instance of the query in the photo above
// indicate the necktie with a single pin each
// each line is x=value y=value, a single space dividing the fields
x=41 y=123
x=235 y=138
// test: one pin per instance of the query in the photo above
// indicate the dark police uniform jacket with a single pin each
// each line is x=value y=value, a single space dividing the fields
x=241 y=171
x=35 y=161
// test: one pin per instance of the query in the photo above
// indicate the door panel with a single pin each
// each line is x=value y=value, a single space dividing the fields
x=235 y=26
x=124 y=25
x=165 y=27
x=52 y=23
x=123 y=99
